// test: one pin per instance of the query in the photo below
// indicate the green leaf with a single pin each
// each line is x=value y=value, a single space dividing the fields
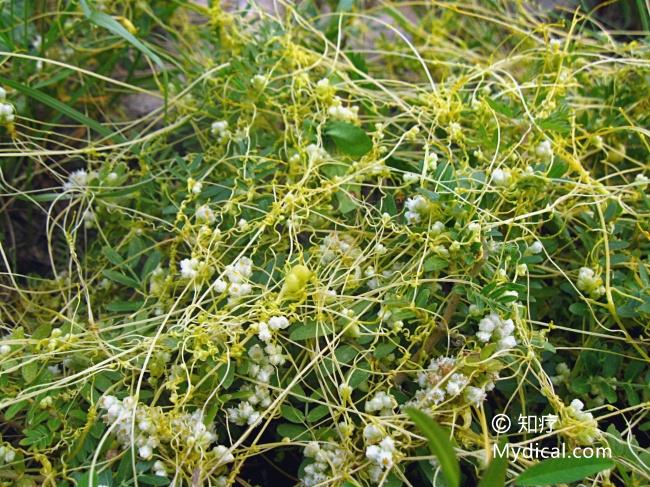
x=292 y=431
x=558 y=169
x=346 y=204
x=29 y=371
x=151 y=263
x=153 y=480
x=121 y=278
x=349 y=138
x=112 y=256
x=124 y=306
x=439 y=445
x=430 y=195
x=555 y=471
x=317 y=413
x=309 y=330
x=383 y=349
x=15 y=409
x=42 y=331
x=101 y=19
x=500 y=107
x=435 y=263
x=495 y=473
x=558 y=121
x=292 y=414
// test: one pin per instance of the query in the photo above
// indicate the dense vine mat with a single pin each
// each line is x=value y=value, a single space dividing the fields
x=298 y=243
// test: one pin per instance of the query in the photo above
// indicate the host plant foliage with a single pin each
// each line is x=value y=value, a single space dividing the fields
x=325 y=216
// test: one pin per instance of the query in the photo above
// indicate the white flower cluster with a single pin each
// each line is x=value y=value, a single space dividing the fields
x=501 y=177
x=475 y=395
x=120 y=413
x=237 y=275
x=220 y=130
x=329 y=461
x=157 y=281
x=563 y=374
x=589 y=282
x=192 y=430
x=5 y=349
x=79 y=179
x=190 y=268
x=642 y=179
x=194 y=186
x=589 y=429
x=6 y=109
x=381 y=402
x=205 y=214
x=439 y=382
x=340 y=112
x=335 y=245
x=316 y=153
x=264 y=330
x=159 y=469
x=502 y=331
x=261 y=369
x=410 y=177
x=383 y=457
x=415 y=207
x=7 y=454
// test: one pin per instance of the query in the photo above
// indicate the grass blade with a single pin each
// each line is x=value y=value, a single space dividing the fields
x=101 y=19
x=439 y=445
x=562 y=471
x=60 y=107
x=495 y=473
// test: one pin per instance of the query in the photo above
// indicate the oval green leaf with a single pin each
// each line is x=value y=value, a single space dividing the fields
x=349 y=138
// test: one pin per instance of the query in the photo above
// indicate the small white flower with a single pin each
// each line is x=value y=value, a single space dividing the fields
x=263 y=332
x=501 y=177
x=372 y=433
x=259 y=81
x=577 y=405
x=544 y=149
x=189 y=268
x=536 y=247
x=219 y=285
x=278 y=323
x=642 y=179
x=204 y=214
x=456 y=384
x=145 y=452
x=415 y=206
x=410 y=177
x=223 y=454
x=10 y=456
x=219 y=128
x=380 y=249
x=437 y=228
x=79 y=179
x=431 y=161
x=5 y=349
x=6 y=113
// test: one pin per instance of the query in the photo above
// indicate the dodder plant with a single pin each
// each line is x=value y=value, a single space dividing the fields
x=329 y=217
